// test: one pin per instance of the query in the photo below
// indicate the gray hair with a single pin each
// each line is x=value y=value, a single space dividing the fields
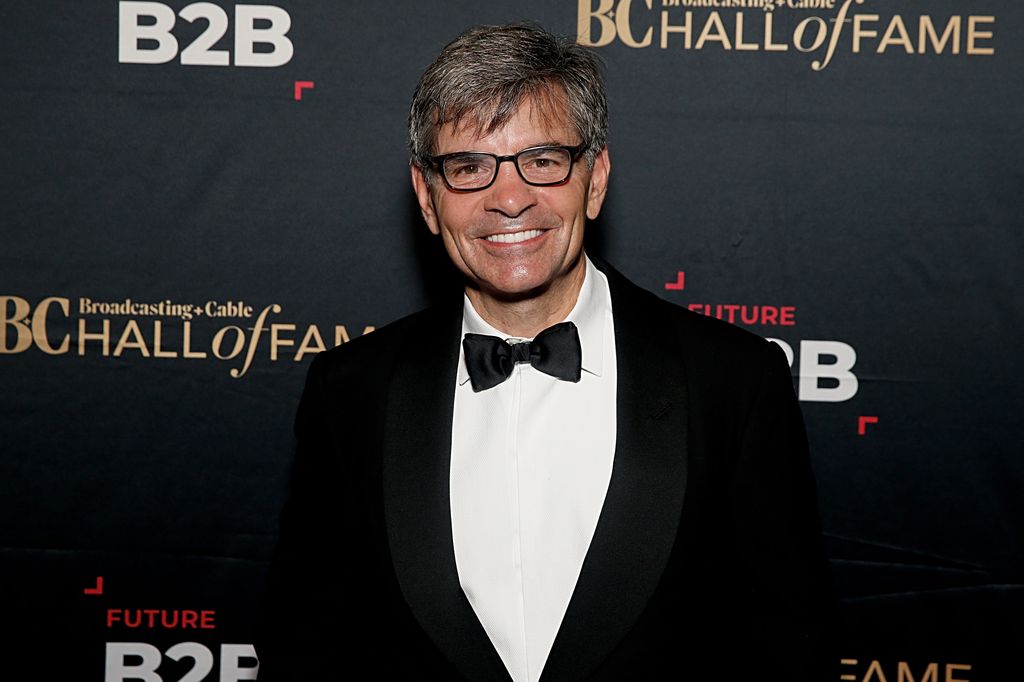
x=484 y=76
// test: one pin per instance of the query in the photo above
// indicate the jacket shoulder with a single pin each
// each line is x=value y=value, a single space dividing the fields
x=713 y=334
x=707 y=339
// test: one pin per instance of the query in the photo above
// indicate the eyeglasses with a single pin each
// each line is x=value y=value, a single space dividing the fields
x=538 y=166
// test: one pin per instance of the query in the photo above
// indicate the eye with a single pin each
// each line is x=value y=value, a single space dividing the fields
x=544 y=164
x=463 y=169
x=543 y=158
x=467 y=166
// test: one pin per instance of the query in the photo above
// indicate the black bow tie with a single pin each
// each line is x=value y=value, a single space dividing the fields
x=555 y=351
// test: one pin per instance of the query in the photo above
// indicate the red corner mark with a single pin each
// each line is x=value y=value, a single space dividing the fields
x=679 y=284
x=95 y=590
x=300 y=86
x=862 y=424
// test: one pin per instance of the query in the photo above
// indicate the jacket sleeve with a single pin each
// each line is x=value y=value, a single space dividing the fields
x=294 y=642
x=778 y=538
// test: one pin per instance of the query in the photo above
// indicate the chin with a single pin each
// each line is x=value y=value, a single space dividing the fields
x=514 y=288
x=531 y=278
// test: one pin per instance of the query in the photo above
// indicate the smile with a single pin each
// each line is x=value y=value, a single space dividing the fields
x=514 y=237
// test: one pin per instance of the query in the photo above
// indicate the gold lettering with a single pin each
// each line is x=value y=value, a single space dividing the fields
x=17 y=321
x=276 y=340
x=131 y=331
x=957 y=667
x=720 y=35
x=770 y=46
x=158 y=329
x=341 y=333
x=625 y=30
x=740 y=45
x=307 y=345
x=84 y=336
x=186 y=345
x=951 y=34
x=896 y=25
x=931 y=673
x=819 y=40
x=218 y=340
x=837 y=28
x=39 y=326
x=875 y=669
x=973 y=34
x=686 y=29
x=860 y=33
x=583 y=23
x=254 y=340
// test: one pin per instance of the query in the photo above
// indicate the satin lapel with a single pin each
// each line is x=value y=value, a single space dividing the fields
x=639 y=521
x=417 y=452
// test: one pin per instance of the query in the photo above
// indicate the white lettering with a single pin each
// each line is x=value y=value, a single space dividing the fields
x=130 y=32
x=812 y=369
x=247 y=36
x=199 y=51
x=231 y=657
x=118 y=669
x=198 y=653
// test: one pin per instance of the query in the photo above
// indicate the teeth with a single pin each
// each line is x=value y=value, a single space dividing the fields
x=514 y=237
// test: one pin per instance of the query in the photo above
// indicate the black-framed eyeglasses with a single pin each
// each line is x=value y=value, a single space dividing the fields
x=538 y=166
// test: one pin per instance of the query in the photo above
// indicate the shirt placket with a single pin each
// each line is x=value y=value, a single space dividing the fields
x=513 y=445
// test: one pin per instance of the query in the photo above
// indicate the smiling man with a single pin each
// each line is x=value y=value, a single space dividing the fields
x=516 y=230
x=561 y=476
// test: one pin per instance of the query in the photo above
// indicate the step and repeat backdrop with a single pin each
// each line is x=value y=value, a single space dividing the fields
x=199 y=197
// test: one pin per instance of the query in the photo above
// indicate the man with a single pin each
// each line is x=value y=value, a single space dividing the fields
x=559 y=477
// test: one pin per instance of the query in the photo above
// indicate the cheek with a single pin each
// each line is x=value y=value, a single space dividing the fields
x=452 y=219
x=454 y=248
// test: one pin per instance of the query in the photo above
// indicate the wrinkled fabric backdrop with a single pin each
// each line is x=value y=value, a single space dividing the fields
x=199 y=197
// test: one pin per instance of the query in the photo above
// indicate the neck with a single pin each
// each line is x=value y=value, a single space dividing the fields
x=529 y=315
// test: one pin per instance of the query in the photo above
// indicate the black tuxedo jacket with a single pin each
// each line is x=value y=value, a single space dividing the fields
x=706 y=563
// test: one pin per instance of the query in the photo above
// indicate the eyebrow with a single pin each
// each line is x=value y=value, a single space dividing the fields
x=549 y=143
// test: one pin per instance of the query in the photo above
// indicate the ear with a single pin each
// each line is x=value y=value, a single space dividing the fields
x=424 y=199
x=598 y=183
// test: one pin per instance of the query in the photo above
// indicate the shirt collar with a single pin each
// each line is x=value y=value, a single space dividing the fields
x=590 y=315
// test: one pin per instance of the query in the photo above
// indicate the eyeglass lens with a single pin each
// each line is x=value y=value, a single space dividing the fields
x=542 y=166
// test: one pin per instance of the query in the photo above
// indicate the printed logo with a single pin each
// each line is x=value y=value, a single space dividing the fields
x=60 y=325
x=903 y=671
x=820 y=29
x=824 y=367
x=144 y=35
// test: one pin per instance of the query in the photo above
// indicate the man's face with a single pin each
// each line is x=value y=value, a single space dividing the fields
x=513 y=240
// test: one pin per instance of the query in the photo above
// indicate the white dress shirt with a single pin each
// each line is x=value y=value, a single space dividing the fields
x=530 y=466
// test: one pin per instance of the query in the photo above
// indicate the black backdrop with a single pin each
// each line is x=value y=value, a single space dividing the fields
x=178 y=239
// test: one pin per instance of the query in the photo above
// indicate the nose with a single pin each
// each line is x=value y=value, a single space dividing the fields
x=509 y=194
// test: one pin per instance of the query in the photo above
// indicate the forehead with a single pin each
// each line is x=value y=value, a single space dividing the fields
x=538 y=119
